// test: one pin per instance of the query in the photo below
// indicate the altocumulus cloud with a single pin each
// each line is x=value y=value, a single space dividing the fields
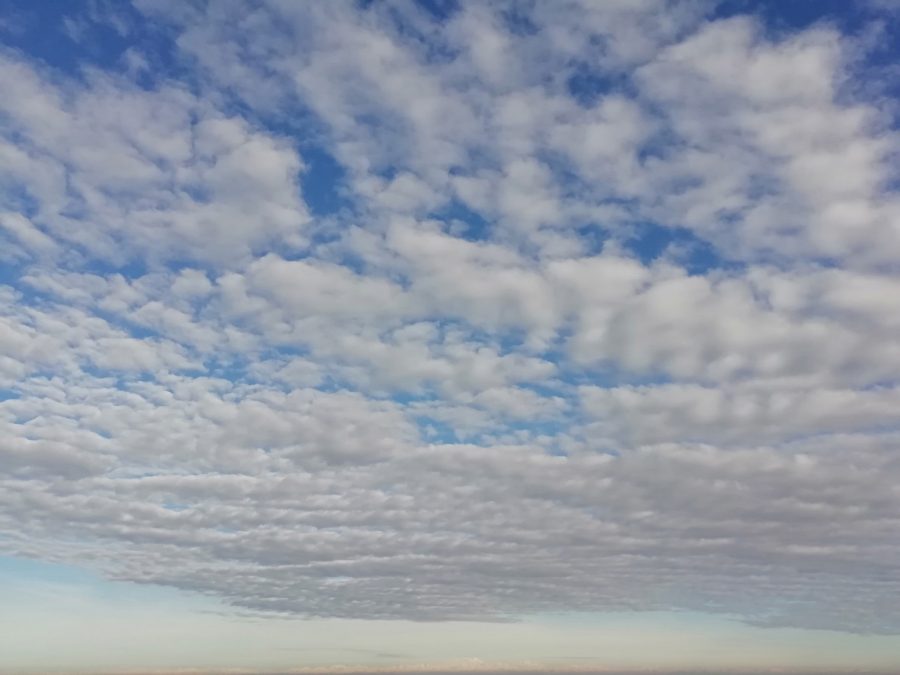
x=601 y=311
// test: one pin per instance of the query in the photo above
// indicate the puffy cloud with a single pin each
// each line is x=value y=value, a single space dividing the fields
x=743 y=414
x=772 y=147
x=118 y=172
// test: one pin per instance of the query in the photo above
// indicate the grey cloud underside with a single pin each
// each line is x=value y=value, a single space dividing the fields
x=467 y=532
x=368 y=415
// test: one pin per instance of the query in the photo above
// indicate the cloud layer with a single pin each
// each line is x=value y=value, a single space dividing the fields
x=603 y=315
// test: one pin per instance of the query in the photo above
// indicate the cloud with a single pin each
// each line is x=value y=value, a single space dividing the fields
x=493 y=384
x=112 y=170
x=767 y=118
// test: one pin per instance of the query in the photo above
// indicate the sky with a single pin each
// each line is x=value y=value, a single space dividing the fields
x=399 y=336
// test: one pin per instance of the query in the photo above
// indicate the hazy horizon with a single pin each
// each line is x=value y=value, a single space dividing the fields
x=446 y=669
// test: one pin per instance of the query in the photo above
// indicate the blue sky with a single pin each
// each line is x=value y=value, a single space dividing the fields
x=438 y=335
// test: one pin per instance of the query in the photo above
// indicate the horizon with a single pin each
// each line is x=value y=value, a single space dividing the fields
x=462 y=669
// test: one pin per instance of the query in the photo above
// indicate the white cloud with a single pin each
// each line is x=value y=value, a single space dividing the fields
x=747 y=414
x=119 y=172
x=773 y=145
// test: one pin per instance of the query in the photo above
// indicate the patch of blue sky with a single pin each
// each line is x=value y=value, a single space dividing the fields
x=504 y=338
x=282 y=351
x=323 y=182
x=435 y=431
x=387 y=172
x=324 y=249
x=782 y=16
x=11 y=272
x=7 y=394
x=887 y=383
x=593 y=237
x=547 y=426
x=71 y=36
x=16 y=196
x=556 y=451
x=102 y=433
x=233 y=368
x=517 y=21
x=404 y=397
x=431 y=47
x=461 y=221
x=589 y=85
x=139 y=472
x=130 y=267
x=331 y=383
x=568 y=177
x=441 y=10
x=650 y=241
x=548 y=388
x=122 y=380
x=607 y=375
